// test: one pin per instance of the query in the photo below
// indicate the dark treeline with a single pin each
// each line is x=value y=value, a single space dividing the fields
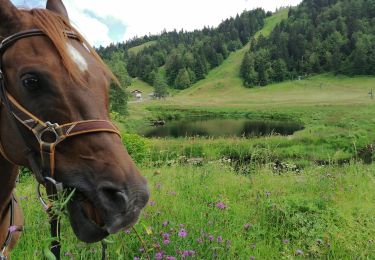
x=181 y=58
x=319 y=36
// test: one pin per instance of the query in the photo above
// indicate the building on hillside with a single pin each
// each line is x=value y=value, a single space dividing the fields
x=137 y=94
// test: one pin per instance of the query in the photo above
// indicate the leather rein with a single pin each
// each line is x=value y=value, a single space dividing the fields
x=9 y=235
x=47 y=134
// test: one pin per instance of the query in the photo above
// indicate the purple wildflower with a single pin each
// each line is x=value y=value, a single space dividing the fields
x=165 y=223
x=182 y=233
x=286 y=241
x=158 y=186
x=219 y=239
x=186 y=253
x=200 y=240
x=127 y=231
x=13 y=229
x=252 y=257
x=247 y=226
x=171 y=258
x=142 y=250
x=151 y=203
x=211 y=238
x=166 y=241
x=166 y=235
x=136 y=258
x=159 y=256
x=221 y=205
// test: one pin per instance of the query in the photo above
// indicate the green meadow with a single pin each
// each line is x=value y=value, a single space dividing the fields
x=213 y=212
x=307 y=195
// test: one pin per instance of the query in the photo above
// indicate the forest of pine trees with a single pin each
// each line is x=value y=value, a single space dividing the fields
x=319 y=36
x=179 y=59
x=336 y=36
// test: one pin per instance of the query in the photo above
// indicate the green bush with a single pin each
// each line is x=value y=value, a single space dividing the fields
x=136 y=146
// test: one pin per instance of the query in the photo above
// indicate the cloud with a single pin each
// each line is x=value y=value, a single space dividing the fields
x=117 y=28
x=29 y=3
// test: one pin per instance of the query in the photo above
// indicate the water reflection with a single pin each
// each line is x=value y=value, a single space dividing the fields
x=221 y=128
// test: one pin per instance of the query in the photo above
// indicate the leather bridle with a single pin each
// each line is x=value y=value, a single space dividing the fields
x=47 y=134
x=43 y=131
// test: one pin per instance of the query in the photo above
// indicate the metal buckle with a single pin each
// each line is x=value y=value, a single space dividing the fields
x=51 y=128
x=2 y=252
x=59 y=188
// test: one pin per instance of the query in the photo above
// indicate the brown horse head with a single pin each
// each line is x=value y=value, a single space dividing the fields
x=63 y=80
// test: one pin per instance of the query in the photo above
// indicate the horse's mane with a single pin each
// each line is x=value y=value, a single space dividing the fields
x=55 y=26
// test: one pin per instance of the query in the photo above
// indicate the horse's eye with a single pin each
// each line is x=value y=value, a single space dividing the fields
x=30 y=81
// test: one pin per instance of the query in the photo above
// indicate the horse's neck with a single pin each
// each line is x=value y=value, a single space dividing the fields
x=8 y=176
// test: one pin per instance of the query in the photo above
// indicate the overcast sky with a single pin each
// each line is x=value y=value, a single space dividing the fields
x=106 y=21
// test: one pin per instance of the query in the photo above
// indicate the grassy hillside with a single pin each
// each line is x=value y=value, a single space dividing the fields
x=139 y=48
x=224 y=88
x=272 y=21
x=140 y=85
x=225 y=80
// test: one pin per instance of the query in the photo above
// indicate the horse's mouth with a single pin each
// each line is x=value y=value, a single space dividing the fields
x=85 y=219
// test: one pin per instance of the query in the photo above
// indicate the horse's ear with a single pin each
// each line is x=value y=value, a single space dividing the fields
x=58 y=7
x=8 y=16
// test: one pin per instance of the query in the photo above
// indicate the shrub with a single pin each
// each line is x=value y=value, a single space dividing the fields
x=136 y=146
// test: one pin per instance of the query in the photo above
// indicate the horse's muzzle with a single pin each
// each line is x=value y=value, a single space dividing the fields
x=109 y=210
x=121 y=207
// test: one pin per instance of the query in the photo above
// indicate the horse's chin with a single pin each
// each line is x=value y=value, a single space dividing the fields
x=85 y=221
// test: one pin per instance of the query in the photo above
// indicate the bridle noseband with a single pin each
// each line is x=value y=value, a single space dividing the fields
x=47 y=134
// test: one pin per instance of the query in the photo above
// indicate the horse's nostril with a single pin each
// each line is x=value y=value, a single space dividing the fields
x=114 y=197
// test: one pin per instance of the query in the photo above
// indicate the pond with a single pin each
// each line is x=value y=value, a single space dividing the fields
x=221 y=128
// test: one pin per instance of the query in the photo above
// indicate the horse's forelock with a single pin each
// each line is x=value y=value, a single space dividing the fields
x=54 y=26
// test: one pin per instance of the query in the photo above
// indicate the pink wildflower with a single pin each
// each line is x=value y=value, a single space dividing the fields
x=221 y=205
x=182 y=233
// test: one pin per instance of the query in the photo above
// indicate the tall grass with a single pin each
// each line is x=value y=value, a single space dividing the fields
x=320 y=212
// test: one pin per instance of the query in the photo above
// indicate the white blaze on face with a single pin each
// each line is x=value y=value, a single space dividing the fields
x=77 y=57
